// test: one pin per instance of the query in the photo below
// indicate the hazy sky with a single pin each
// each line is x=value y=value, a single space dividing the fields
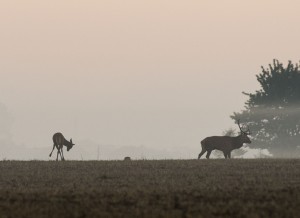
x=156 y=73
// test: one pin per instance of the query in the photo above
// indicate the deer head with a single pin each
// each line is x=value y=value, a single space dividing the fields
x=70 y=145
x=244 y=134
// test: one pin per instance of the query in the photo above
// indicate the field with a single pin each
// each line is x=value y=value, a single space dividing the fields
x=164 y=188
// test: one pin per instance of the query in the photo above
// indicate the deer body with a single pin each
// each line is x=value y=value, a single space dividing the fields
x=224 y=143
x=59 y=142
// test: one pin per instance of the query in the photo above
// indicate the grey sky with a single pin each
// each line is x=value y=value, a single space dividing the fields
x=162 y=74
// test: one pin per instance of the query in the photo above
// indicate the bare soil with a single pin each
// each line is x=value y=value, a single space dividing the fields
x=150 y=188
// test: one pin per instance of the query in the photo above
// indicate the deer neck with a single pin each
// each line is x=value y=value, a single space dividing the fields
x=67 y=143
x=238 y=142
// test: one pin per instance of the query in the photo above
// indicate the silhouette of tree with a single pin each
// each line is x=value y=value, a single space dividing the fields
x=273 y=112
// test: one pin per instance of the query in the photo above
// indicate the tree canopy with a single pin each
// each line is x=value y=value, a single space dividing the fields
x=273 y=112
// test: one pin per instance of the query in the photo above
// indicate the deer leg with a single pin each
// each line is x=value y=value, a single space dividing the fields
x=52 y=151
x=208 y=154
x=225 y=154
x=63 y=158
x=202 y=152
x=229 y=155
x=58 y=152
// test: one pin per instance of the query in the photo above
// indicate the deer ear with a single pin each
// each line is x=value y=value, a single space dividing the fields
x=71 y=141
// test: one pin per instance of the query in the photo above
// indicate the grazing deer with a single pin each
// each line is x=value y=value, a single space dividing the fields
x=224 y=143
x=59 y=141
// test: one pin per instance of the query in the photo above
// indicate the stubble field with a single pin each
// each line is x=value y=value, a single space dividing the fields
x=164 y=188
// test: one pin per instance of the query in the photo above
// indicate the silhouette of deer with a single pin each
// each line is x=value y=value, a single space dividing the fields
x=59 y=142
x=224 y=143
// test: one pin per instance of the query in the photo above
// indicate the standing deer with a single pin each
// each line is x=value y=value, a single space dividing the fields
x=58 y=142
x=224 y=143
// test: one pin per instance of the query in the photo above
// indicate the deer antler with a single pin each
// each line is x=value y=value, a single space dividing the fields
x=247 y=132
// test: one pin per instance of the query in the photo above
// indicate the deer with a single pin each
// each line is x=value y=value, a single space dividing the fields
x=225 y=143
x=59 y=142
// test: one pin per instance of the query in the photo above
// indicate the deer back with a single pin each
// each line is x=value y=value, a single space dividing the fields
x=58 y=139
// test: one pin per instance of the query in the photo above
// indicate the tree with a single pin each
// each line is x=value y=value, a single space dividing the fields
x=273 y=112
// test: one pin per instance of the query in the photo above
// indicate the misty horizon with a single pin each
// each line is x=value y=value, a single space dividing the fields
x=154 y=77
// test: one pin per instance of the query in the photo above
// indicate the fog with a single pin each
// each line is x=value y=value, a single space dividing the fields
x=146 y=79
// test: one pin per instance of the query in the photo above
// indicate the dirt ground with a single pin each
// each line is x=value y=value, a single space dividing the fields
x=150 y=188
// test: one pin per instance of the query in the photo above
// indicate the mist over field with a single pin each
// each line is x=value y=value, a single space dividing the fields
x=145 y=79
